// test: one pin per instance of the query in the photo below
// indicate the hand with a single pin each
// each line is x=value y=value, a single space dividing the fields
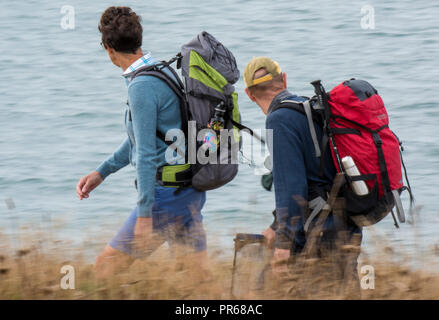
x=279 y=262
x=269 y=235
x=143 y=233
x=87 y=184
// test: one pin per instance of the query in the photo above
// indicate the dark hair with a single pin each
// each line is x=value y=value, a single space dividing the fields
x=121 y=29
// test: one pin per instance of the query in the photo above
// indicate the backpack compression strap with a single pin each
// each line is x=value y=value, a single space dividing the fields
x=240 y=126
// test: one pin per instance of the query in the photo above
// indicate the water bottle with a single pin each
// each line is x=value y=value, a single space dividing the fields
x=359 y=187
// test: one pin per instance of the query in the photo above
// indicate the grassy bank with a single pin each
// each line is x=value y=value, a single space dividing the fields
x=34 y=273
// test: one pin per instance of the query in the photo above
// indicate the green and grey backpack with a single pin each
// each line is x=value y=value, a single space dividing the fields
x=209 y=71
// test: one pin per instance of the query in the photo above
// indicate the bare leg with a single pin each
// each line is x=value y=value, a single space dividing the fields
x=195 y=262
x=110 y=262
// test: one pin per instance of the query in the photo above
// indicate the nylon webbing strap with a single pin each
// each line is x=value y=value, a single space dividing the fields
x=346 y=131
x=204 y=96
x=240 y=126
x=325 y=142
x=314 y=233
x=312 y=129
x=382 y=162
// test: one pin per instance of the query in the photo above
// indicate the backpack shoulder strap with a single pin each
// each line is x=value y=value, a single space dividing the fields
x=289 y=104
x=305 y=108
x=157 y=70
x=175 y=84
x=158 y=73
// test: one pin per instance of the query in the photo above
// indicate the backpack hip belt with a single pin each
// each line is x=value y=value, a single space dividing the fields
x=175 y=176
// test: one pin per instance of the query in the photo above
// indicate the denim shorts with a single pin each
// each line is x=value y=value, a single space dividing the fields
x=176 y=218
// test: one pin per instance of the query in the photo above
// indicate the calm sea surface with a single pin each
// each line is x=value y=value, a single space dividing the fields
x=62 y=104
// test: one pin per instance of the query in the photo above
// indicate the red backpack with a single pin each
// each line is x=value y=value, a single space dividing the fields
x=355 y=123
x=359 y=125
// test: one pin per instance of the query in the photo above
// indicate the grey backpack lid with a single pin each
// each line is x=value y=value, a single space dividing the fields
x=214 y=53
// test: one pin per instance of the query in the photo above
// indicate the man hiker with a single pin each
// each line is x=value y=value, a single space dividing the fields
x=295 y=167
x=161 y=214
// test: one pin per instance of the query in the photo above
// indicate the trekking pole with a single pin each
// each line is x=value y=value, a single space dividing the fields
x=324 y=102
x=241 y=240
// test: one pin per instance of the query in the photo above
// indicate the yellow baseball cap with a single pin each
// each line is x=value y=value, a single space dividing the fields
x=257 y=63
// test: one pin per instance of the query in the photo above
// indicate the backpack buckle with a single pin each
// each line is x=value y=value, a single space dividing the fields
x=377 y=139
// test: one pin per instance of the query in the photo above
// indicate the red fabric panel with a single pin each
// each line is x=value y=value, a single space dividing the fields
x=371 y=113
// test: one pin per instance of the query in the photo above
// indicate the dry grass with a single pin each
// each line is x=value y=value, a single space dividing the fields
x=34 y=273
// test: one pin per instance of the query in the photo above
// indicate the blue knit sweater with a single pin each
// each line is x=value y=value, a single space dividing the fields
x=295 y=168
x=153 y=106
